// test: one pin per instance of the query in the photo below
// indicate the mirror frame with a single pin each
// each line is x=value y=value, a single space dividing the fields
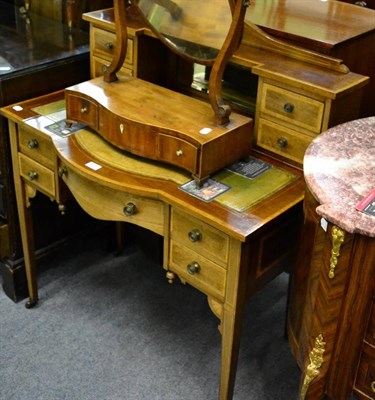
x=233 y=38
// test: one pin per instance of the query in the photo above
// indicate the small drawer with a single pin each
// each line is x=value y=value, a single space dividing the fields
x=37 y=146
x=282 y=141
x=99 y=66
x=131 y=136
x=178 y=152
x=291 y=107
x=198 y=271
x=365 y=381
x=104 y=45
x=200 y=237
x=81 y=109
x=37 y=175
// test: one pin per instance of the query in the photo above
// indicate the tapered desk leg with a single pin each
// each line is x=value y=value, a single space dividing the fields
x=25 y=219
x=232 y=316
x=231 y=335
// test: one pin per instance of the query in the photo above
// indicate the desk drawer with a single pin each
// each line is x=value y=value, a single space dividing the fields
x=104 y=45
x=37 y=175
x=104 y=203
x=197 y=270
x=81 y=109
x=200 y=237
x=281 y=140
x=291 y=107
x=37 y=146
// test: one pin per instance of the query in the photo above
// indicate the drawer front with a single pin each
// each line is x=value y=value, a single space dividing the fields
x=198 y=271
x=134 y=137
x=178 y=152
x=200 y=237
x=99 y=66
x=291 y=107
x=37 y=146
x=365 y=381
x=104 y=203
x=37 y=175
x=82 y=110
x=104 y=45
x=282 y=141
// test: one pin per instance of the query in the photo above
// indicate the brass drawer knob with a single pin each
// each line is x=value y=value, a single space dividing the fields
x=282 y=142
x=288 y=107
x=32 y=144
x=84 y=110
x=179 y=153
x=195 y=235
x=109 y=46
x=130 y=209
x=193 y=268
x=33 y=175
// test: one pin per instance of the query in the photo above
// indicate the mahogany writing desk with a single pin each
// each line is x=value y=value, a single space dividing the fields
x=227 y=248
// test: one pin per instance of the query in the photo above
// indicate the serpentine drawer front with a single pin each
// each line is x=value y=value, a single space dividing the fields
x=83 y=109
x=158 y=123
x=199 y=253
x=113 y=205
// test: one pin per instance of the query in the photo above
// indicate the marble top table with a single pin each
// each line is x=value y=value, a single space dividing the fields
x=339 y=169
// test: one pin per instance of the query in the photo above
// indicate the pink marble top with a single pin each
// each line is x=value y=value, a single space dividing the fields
x=339 y=168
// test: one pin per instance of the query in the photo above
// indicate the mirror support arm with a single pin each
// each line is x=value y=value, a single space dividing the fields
x=222 y=110
x=121 y=41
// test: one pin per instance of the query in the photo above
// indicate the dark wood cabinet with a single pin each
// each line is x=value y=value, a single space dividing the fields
x=38 y=55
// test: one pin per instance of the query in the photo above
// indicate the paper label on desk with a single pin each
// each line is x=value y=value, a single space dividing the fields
x=92 y=165
x=249 y=167
x=208 y=191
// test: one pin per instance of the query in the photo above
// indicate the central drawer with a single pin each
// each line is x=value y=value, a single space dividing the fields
x=105 y=203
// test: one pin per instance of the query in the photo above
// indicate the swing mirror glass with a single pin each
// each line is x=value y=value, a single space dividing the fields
x=195 y=29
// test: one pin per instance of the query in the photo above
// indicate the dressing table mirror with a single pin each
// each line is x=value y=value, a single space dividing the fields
x=160 y=124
